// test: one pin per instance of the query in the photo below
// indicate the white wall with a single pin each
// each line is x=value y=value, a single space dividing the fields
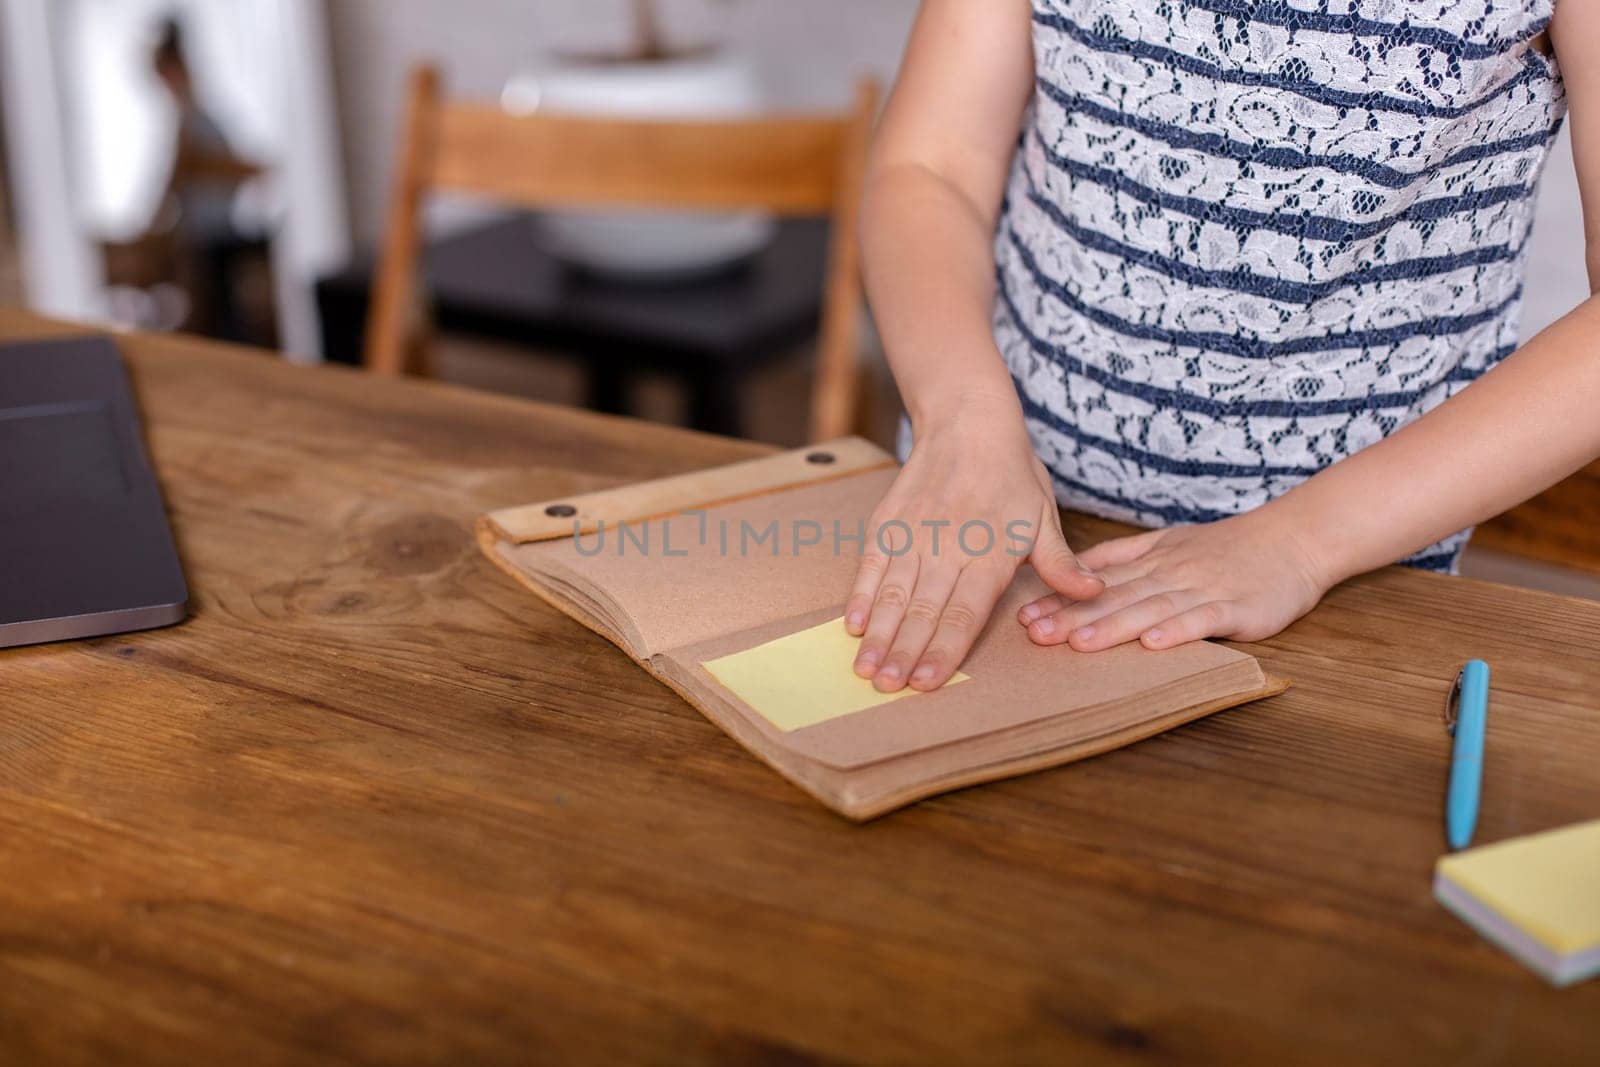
x=809 y=52
x=1556 y=278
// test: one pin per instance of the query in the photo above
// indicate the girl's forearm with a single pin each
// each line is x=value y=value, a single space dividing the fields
x=1517 y=430
x=926 y=255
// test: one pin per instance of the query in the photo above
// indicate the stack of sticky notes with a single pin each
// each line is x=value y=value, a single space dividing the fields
x=1537 y=897
x=804 y=678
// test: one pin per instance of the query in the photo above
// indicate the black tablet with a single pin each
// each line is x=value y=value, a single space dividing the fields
x=85 y=548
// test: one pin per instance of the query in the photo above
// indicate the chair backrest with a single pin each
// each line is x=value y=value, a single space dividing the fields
x=783 y=165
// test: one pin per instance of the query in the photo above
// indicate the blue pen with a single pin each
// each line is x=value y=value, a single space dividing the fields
x=1466 y=716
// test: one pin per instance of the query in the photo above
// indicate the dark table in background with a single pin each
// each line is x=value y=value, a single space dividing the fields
x=495 y=281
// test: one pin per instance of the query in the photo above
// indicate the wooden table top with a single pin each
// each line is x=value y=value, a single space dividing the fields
x=373 y=802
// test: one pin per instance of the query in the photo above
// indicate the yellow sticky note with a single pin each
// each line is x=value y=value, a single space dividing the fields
x=804 y=678
x=1537 y=896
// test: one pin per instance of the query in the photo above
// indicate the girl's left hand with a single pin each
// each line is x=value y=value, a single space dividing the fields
x=1245 y=577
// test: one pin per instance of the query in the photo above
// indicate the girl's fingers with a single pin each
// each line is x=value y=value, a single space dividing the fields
x=1129 y=622
x=1045 y=605
x=869 y=575
x=878 y=553
x=1119 y=550
x=1214 y=618
x=888 y=607
x=935 y=581
x=1056 y=628
x=1056 y=564
x=971 y=603
x=1123 y=573
x=1054 y=602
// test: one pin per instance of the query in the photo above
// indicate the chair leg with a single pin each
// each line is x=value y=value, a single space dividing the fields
x=864 y=411
x=714 y=404
x=605 y=388
x=419 y=357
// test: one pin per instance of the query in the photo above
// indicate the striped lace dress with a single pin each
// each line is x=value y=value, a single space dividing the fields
x=1243 y=239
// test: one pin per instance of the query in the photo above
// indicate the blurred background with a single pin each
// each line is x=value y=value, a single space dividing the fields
x=226 y=166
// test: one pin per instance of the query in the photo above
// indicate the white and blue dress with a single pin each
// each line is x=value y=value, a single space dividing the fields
x=1243 y=239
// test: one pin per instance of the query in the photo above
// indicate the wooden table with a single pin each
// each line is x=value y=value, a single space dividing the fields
x=373 y=803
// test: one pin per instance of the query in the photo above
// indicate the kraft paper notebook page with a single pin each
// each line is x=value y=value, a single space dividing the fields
x=1537 y=897
x=728 y=585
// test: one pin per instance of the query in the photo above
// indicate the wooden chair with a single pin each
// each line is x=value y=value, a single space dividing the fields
x=783 y=165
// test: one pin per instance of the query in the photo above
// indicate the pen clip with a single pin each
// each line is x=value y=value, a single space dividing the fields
x=1451 y=700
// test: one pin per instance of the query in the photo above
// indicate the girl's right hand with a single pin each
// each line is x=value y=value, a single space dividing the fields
x=971 y=505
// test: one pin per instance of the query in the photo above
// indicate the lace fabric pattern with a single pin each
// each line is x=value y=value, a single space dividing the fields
x=1243 y=239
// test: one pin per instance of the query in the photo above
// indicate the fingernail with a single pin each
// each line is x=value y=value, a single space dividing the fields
x=1028 y=613
x=923 y=673
x=1083 y=633
x=866 y=661
x=890 y=672
x=1152 y=636
x=1085 y=570
x=1045 y=626
x=855 y=620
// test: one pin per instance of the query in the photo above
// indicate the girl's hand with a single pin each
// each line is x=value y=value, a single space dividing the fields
x=1245 y=577
x=970 y=506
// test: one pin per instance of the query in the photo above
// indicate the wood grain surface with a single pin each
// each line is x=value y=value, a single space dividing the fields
x=374 y=803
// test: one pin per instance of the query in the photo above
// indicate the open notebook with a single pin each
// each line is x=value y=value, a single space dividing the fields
x=728 y=585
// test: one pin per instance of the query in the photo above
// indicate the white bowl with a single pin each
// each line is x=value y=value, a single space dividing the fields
x=647 y=245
